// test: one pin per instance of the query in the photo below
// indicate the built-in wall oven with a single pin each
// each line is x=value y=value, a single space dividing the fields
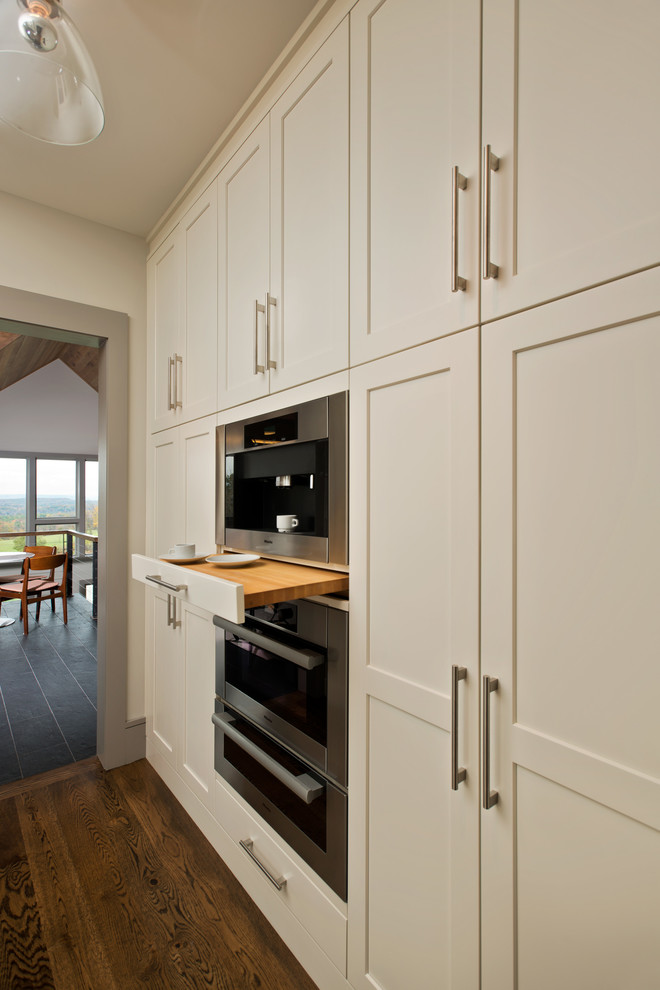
x=282 y=482
x=281 y=724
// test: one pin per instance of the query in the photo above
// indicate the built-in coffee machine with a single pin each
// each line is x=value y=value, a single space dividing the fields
x=283 y=482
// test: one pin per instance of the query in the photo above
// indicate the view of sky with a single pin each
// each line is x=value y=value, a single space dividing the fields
x=53 y=478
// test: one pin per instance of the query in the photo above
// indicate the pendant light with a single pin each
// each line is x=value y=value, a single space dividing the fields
x=48 y=84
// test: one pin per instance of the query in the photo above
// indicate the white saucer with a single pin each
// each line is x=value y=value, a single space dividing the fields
x=232 y=559
x=172 y=558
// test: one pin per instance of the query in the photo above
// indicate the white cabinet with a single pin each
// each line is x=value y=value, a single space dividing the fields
x=284 y=238
x=570 y=545
x=180 y=689
x=414 y=116
x=183 y=328
x=414 y=840
x=569 y=91
x=183 y=487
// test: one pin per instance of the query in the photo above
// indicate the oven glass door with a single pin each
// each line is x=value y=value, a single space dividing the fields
x=280 y=685
x=304 y=808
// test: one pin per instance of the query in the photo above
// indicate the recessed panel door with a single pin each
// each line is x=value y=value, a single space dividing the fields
x=569 y=99
x=414 y=883
x=571 y=539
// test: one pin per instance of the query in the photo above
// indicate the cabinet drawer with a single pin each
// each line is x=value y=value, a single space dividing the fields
x=212 y=594
x=313 y=908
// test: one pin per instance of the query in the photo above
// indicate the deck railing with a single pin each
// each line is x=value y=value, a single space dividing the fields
x=68 y=536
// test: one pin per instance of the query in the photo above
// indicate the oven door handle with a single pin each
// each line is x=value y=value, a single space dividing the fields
x=305 y=787
x=307 y=659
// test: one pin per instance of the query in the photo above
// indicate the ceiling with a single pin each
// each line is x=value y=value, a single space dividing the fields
x=174 y=73
x=20 y=356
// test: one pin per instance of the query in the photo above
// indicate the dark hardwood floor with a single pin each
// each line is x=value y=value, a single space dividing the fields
x=107 y=884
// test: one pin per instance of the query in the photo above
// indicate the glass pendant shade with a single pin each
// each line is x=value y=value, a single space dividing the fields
x=48 y=84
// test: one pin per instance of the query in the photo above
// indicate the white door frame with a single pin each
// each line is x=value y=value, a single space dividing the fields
x=118 y=740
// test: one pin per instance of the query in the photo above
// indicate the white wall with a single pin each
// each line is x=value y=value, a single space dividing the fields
x=52 y=411
x=55 y=254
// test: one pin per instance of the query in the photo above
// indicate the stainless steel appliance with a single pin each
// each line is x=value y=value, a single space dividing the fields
x=281 y=724
x=293 y=462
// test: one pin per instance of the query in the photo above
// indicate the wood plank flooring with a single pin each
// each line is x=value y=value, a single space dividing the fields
x=107 y=884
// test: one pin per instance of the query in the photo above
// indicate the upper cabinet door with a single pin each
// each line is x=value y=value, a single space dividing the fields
x=414 y=117
x=568 y=90
x=244 y=270
x=197 y=372
x=164 y=278
x=308 y=310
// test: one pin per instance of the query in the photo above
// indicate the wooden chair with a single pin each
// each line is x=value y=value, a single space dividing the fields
x=35 y=588
x=42 y=552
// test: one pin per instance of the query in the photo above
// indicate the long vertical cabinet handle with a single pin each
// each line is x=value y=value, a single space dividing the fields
x=489 y=798
x=270 y=301
x=259 y=369
x=458 y=181
x=171 y=612
x=170 y=400
x=178 y=359
x=491 y=164
x=458 y=774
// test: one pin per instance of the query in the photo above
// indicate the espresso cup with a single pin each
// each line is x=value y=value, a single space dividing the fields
x=286 y=523
x=182 y=550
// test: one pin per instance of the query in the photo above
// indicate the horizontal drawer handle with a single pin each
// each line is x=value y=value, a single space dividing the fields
x=248 y=845
x=165 y=584
x=307 y=659
x=306 y=787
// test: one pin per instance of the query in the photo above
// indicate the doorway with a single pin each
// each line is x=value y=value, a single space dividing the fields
x=119 y=740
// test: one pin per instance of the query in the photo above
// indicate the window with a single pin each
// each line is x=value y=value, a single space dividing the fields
x=40 y=493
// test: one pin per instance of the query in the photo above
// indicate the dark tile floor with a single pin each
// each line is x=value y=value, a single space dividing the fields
x=47 y=689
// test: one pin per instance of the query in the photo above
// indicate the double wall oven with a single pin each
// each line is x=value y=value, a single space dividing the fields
x=281 y=724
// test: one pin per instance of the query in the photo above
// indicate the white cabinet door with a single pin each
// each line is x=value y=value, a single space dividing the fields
x=198 y=369
x=244 y=270
x=197 y=701
x=415 y=70
x=165 y=499
x=197 y=472
x=571 y=584
x=164 y=270
x=163 y=676
x=569 y=97
x=308 y=317
x=414 y=867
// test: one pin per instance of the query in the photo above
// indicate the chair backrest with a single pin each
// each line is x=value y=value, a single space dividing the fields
x=48 y=562
x=40 y=551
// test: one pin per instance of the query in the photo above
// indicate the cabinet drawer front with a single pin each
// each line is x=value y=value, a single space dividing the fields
x=209 y=593
x=314 y=910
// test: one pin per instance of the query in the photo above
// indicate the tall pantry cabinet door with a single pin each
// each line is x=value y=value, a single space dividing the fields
x=244 y=270
x=414 y=868
x=569 y=90
x=571 y=584
x=197 y=372
x=415 y=70
x=164 y=269
x=308 y=317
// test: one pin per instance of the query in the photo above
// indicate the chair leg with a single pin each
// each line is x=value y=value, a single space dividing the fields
x=25 y=615
x=63 y=607
x=38 y=607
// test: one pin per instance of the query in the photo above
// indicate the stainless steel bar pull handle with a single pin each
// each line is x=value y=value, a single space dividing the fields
x=270 y=302
x=170 y=391
x=458 y=774
x=491 y=164
x=303 y=657
x=248 y=846
x=489 y=798
x=165 y=584
x=259 y=369
x=306 y=787
x=178 y=404
x=458 y=181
